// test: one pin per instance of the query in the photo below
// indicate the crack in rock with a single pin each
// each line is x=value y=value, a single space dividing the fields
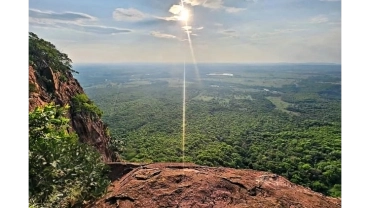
x=235 y=183
x=146 y=175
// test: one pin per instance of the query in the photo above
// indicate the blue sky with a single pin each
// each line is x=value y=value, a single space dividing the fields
x=239 y=31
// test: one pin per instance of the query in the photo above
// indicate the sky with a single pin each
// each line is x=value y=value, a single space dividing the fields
x=237 y=31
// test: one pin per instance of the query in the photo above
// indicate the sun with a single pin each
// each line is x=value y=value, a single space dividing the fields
x=184 y=15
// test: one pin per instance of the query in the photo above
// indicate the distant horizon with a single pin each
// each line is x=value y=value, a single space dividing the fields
x=236 y=63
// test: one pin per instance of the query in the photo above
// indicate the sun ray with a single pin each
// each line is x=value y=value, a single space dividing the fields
x=183 y=117
x=184 y=16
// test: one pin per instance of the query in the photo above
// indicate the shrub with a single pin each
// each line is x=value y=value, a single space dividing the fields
x=32 y=88
x=81 y=103
x=63 y=78
x=62 y=171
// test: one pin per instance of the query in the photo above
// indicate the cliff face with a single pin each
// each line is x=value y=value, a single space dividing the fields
x=47 y=86
x=190 y=185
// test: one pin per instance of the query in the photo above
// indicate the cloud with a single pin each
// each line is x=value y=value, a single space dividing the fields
x=70 y=20
x=325 y=47
x=49 y=16
x=94 y=29
x=99 y=29
x=121 y=14
x=131 y=14
x=319 y=19
x=216 y=4
x=274 y=33
x=229 y=33
x=335 y=23
x=285 y=31
x=234 y=9
x=213 y=4
x=330 y=0
x=175 y=9
x=187 y=27
x=190 y=29
x=158 y=34
x=195 y=2
x=172 y=18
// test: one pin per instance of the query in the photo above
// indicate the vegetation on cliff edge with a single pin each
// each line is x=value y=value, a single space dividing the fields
x=44 y=54
x=82 y=103
x=62 y=171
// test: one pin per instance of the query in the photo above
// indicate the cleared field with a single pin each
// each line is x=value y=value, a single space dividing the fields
x=174 y=82
x=238 y=89
x=203 y=98
x=281 y=105
x=253 y=81
x=136 y=83
x=240 y=97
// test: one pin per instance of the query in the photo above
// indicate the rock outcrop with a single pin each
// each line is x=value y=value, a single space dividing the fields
x=175 y=185
x=47 y=86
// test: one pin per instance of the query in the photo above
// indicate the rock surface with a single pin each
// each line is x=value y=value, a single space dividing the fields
x=47 y=87
x=189 y=185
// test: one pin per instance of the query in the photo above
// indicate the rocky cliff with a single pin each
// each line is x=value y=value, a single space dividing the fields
x=190 y=185
x=47 y=85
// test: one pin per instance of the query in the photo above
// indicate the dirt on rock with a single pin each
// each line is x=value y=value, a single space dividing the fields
x=190 y=185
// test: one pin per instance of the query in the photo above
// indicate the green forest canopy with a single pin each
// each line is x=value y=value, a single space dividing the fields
x=235 y=124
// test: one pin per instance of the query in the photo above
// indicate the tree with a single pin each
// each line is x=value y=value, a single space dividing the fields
x=44 y=54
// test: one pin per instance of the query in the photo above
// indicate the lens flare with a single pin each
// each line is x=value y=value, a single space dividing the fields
x=184 y=15
x=183 y=118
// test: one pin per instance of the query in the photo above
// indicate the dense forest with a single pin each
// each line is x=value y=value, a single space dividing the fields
x=285 y=119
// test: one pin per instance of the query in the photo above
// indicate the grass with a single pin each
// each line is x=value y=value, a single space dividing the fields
x=174 y=82
x=203 y=98
x=137 y=83
x=254 y=81
x=281 y=105
x=270 y=82
x=241 y=97
x=237 y=89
